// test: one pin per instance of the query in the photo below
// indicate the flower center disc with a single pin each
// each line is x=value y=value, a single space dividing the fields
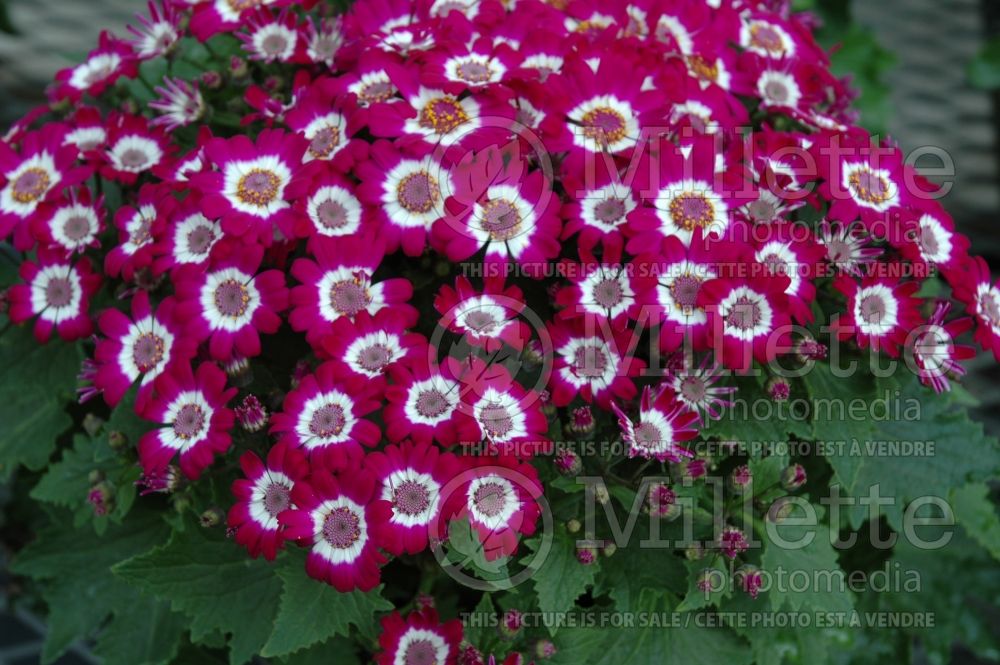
x=418 y=192
x=610 y=211
x=501 y=219
x=147 y=352
x=869 y=187
x=331 y=214
x=443 y=115
x=496 y=420
x=375 y=357
x=324 y=142
x=490 y=499
x=692 y=210
x=745 y=314
x=873 y=309
x=277 y=498
x=59 y=292
x=474 y=72
x=604 y=124
x=30 y=185
x=341 y=528
x=608 y=293
x=328 y=421
x=232 y=298
x=431 y=404
x=189 y=421
x=590 y=362
x=410 y=498
x=349 y=297
x=685 y=292
x=766 y=38
x=258 y=188
x=421 y=652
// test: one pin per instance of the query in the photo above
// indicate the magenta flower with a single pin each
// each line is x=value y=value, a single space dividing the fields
x=56 y=292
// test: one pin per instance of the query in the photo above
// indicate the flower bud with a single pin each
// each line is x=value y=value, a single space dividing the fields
x=661 y=501
x=117 y=440
x=101 y=498
x=511 y=623
x=694 y=552
x=586 y=555
x=212 y=517
x=573 y=526
x=251 y=414
x=567 y=462
x=710 y=579
x=238 y=67
x=778 y=388
x=95 y=476
x=581 y=421
x=780 y=510
x=424 y=601
x=92 y=424
x=793 y=477
x=211 y=80
x=741 y=479
x=749 y=578
x=544 y=649
x=609 y=549
x=732 y=542
x=807 y=349
x=238 y=369
x=469 y=655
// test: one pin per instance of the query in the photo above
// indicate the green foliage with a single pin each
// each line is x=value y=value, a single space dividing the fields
x=984 y=70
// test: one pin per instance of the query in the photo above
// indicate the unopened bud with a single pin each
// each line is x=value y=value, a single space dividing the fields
x=741 y=479
x=778 y=388
x=793 y=477
x=749 y=578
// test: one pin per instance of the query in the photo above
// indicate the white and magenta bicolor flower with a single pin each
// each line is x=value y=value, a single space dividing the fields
x=139 y=228
x=502 y=206
x=664 y=424
x=343 y=523
x=420 y=638
x=596 y=364
x=138 y=348
x=134 y=146
x=330 y=208
x=210 y=17
x=179 y=103
x=231 y=304
x=407 y=193
x=863 y=181
x=487 y=318
x=262 y=495
x=326 y=116
x=696 y=388
x=112 y=59
x=87 y=131
x=271 y=37
x=194 y=419
x=157 y=32
x=72 y=221
x=599 y=209
x=781 y=249
x=323 y=39
x=57 y=290
x=339 y=283
x=455 y=66
x=667 y=291
x=880 y=312
x=367 y=346
x=935 y=354
x=499 y=497
x=43 y=166
x=421 y=402
x=254 y=181
x=974 y=288
x=848 y=247
x=932 y=239
x=190 y=238
x=324 y=415
x=410 y=477
x=498 y=411
x=747 y=318
x=599 y=290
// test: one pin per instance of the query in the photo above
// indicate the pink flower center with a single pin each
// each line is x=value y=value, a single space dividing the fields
x=30 y=185
x=611 y=211
x=762 y=210
x=324 y=142
x=989 y=308
x=421 y=652
x=77 y=228
x=745 y=314
x=232 y=298
x=501 y=219
x=431 y=404
x=766 y=38
x=480 y=322
x=590 y=362
x=608 y=293
x=838 y=251
x=775 y=90
x=277 y=498
x=868 y=186
x=648 y=436
x=258 y=188
x=411 y=498
x=496 y=420
x=331 y=214
x=873 y=309
x=342 y=528
x=684 y=291
x=693 y=389
x=147 y=352
x=474 y=72
x=274 y=44
x=929 y=244
x=189 y=421
x=418 y=192
x=604 y=124
x=374 y=358
x=692 y=210
x=200 y=240
x=376 y=91
x=134 y=158
x=241 y=5
x=443 y=115
x=59 y=292
x=328 y=421
x=490 y=499
x=349 y=297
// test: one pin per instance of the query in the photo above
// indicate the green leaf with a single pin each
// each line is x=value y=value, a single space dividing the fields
x=142 y=632
x=978 y=515
x=79 y=587
x=312 y=611
x=38 y=380
x=560 y=579
x=339 y=650
x=984 y=70
x=696 y=598
x=630 y=570
x=650 y=642
x=739 y=423
x=215 y=583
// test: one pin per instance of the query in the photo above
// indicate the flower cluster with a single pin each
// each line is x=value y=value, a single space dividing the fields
x=423 y=230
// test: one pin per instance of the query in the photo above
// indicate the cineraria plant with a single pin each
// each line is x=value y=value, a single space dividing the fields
x=482 y=331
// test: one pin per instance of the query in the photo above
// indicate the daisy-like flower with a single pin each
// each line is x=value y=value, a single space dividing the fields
x=339 y=283
x=327 y=118
x=410 y=477
x=667 y=291
x=112 y=59
x=483 y=63
x=194 y=420
x=880 y=312
x=270 y=37
x=596 y=364
x=210 y=17
x=598 y=210
x=343 y=523
x=44 y=165
x=367 y=346
x=57 y=290
x=932 y=239
x=371 y=82
x=134 y=146
x=974 y=288
x=138 y=348
x=139 y=229
x=789 y=86
x=180 y=103
x=847 y=247
x=330 y=208
x=408 y=194
x=324 y=415
x=747 y=318
x=156 y=33
x=190 y=238
x=487 y=318
x=231 y=304
x=688 y=192
x=262 y=495
x=499 y=411
x=598 y=290
x=73 y=221
x=323 y=40
x=499 y=496
x=784 y=250
x=664 y=424
x=501 y=205
x=861 y=180
x=767 y=35
x=253 y=183
x=420 y=638
x=695 y=388
x=87 y=130
x=936 y=356
x=421 y=402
